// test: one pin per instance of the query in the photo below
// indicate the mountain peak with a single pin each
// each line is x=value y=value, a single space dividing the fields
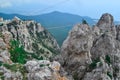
x=105 y=22
x=1 y=19
x=56 y=12
x=106 y=18
x=87 y=47
x=16 y=18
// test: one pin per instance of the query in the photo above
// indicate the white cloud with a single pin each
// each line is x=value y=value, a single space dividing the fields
x=5 y=4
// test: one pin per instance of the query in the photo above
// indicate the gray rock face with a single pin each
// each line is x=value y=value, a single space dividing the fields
x=105 y=45
x=1 y=19
x=92 y=53
x=105 y=22
x=4 y=53
x=34 y=70
x=88 y=53
x=45 y=70
x=37 y=44
x=76 y=50
x=8 y=75
x=31 y=35
x=100 y=72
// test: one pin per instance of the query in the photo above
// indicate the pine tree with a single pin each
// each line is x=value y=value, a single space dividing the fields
x=84 y=22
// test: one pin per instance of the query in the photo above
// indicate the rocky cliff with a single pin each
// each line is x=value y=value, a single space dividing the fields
x=25 y=50
x=88 y=53
x=92 y=53
x=36 y=40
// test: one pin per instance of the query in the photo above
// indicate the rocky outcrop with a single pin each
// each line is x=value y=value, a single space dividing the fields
x=21 y=41
x=36 y=40
x=1 y=19
x=92 y=53
x=88 y=53
x=7 y=73
x=106 y=22
x=100 y=72
x=76 y=50
x=45 y=70
x=4 y=53
x=34 y=70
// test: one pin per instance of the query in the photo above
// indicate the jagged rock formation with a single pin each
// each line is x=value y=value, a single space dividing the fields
x=45 y=70
x=21 y=41
x=34 y=70
x=92 y=53
x=35 y=39
x=76 y=50
x=88 y=53
x=105 y=22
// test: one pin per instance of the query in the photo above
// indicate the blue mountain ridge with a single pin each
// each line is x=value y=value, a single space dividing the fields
x=58 y=23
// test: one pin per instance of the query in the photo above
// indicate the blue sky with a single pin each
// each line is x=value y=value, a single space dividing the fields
x=92 y=8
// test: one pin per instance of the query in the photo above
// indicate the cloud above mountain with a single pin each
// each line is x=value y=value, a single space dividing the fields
x=92 y=8
x=5 y=4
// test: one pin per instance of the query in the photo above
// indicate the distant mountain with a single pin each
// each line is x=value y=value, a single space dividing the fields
x=57 y=23
x=61 y=19
x=53 y=19
x=11 y=16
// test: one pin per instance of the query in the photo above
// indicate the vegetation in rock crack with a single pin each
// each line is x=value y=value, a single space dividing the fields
x=75 y=76
x=42 y=65
x=43 y=35
x=2 y=77
x=109 y=74
x=1 y=73
x=19 y=55
x=84 y=22
x=17 y=67
x=17 y=52
x=1 y=24
x=107 y=59
x=1 y=34
x=1 y=63
x=94 y=63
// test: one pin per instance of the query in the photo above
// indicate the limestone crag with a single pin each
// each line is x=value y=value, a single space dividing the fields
x=45 y=70
x=101 y=71
x=88 y=53
x=4 y=53
x=31 y=35
x=92 y=53
x=106 y=22
x=76 y=50
x=34 y=70
x=24 y=42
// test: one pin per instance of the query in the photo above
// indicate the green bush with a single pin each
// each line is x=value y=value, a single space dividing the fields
x=23 y=71
x=1 y=24
x=109 y=74
x=75 y=76
x=84 y=22
x=36 y=56
x=42 y=51
x=18 y=54
x=100 y=64
x=1 y=63
x=49 y=48
x=13 y=67
x=42 y=65
x=1 y=34
x=2 y=77
x=107 y=59
x=94 y=63
x=17 y=67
